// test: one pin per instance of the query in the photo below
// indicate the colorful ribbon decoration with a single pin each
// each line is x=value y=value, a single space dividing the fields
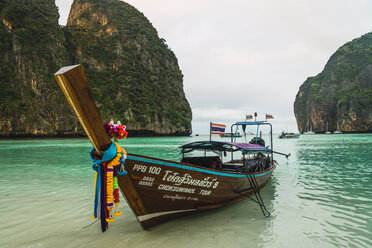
x=106 y=183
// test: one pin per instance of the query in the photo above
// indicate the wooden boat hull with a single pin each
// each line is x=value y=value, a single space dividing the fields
x=159 y=190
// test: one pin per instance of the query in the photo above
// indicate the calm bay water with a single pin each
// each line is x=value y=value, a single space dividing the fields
x=320 y=197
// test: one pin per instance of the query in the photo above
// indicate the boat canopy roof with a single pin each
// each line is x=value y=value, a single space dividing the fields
x=250 y=122
x=222 y=146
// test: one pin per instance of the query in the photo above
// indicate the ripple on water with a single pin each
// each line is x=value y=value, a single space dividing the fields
x=335 y=176
x=319 y=197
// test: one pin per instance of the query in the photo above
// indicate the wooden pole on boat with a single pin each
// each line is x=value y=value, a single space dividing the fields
x=210 y=131
x=286 y=155
x=75 y=86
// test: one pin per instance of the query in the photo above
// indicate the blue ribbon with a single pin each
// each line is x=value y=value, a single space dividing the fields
x=109 y=154
x=98 y=186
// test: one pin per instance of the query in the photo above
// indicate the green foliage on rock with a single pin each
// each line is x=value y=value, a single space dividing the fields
x=133 y=75
x=32 y=48
x=340 y=97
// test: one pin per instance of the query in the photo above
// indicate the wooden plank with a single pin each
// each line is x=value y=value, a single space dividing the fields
x=75 y=86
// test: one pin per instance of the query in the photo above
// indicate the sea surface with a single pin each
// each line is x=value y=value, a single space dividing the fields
x=320 y=197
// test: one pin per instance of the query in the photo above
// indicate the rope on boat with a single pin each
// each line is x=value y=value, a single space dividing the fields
x=89 y=224
x=252 y=180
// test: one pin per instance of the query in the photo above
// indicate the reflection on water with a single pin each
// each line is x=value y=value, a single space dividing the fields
x=321 y=196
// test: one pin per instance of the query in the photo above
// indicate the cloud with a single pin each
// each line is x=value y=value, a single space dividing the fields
x=217 y=114
x=245 y=55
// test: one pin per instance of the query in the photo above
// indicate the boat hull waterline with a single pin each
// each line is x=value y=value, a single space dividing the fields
x=159 y=190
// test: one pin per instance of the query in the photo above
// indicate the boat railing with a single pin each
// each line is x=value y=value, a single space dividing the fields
x=254 y=123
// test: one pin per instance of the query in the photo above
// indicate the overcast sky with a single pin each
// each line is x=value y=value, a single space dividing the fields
x=241 y=56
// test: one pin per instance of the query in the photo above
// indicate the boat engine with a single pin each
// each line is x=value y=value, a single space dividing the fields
x=257 y=140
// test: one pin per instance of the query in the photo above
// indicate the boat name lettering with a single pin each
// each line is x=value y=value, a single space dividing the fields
x=187 y=179
x=191 y=198
x=146 y=178
x=180 y=197
x=174 y=197
x=205 y=192
x=154 y=170
x=215 y=184
x=140 y=167
x=143 y=168
x=176 y=189
x=145 y=183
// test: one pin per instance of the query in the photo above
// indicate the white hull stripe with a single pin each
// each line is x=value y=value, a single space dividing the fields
x=153 y=215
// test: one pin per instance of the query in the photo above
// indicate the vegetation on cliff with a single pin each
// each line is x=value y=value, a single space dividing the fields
x=134 y=76
x=340 y=97
x=32 y=48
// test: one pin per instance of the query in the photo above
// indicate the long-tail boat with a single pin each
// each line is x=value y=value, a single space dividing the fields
x=158 y=190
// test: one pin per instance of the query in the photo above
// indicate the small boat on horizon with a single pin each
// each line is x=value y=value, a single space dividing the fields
x=309 y=129
x=229 y=135
x=286 y=135
x=158 y=190
x=308 y=132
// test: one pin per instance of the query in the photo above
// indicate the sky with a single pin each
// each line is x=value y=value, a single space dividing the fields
x=243 y=56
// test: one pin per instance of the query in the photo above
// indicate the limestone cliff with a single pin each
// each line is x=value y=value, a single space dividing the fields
x=134 y=76
x=340 y=97
x=32 y=46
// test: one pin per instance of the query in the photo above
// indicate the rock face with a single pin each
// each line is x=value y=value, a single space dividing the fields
x=133 y=75
x=340 y=97
x=32 y=45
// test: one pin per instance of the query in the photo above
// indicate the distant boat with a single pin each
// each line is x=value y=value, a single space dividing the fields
x=308 y=128
x=327 y=132
x=338 y=130
x=308 y=132
x=286 y=135
x=229 y=135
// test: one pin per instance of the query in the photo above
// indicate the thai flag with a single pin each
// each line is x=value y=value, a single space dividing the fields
x=248 y=117
x=269 y=116
x=218 y=128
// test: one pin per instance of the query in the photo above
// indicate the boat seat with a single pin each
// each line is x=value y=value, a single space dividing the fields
x=213 y=162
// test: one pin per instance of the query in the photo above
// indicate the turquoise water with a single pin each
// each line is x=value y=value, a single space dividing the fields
x=320 y=197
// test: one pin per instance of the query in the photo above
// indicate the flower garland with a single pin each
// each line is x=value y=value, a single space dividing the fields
x=116 y=197
x=112 y=183
x=106 y=182
x=116 y=131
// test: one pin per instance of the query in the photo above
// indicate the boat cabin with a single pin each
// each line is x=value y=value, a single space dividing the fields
x=253 y=157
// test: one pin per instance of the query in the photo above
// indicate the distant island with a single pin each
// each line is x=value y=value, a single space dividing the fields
x=340 y=97
x=133 y=74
